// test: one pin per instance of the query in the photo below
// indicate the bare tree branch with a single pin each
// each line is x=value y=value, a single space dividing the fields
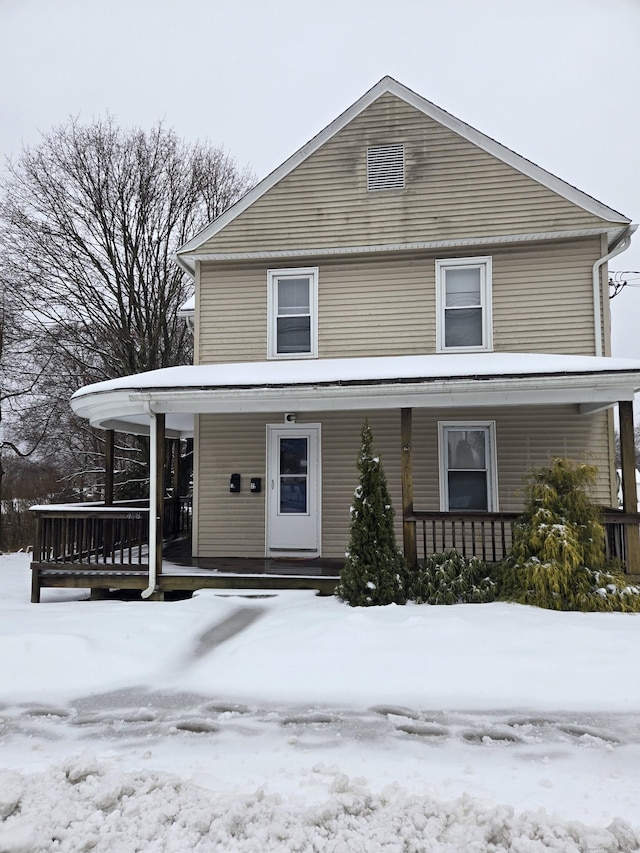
x=89 y=221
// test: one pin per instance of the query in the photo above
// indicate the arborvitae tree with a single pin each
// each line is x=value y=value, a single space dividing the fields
x=558 y=558
x=374 y=572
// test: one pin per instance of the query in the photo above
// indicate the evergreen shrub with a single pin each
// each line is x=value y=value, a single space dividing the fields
x=374 y=571
x=558 y=558
x=450 y=578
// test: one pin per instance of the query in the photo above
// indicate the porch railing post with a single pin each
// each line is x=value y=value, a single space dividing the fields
x=406 y=466
x=629 y=488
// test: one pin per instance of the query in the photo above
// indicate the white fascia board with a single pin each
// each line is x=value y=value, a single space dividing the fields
x=603 y=389
x=124 y=409
x=418 y=245
x=389 y=85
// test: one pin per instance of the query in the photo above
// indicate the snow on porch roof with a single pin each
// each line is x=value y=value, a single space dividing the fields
x=446 y=380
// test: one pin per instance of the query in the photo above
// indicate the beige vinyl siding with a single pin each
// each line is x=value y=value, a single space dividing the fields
x=453 y=190
x=386 y=305
x=543 y=298
x=526 y=437
x=231 y=524
x=233 y=314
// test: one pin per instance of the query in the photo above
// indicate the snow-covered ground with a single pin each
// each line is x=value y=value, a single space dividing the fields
x=290 y=722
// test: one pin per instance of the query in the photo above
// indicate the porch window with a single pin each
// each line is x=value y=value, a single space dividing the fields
x=464 y=304
x=468 y=479
x=293 y=313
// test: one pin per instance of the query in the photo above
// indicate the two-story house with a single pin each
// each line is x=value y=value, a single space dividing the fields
x=405 y=268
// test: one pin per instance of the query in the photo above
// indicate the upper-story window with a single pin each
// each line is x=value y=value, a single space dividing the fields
x=293 y=313
x=385 y=167
x=464 y=304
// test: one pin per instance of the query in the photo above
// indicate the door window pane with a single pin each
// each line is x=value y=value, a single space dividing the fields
x=293 y=475
x=293 y=495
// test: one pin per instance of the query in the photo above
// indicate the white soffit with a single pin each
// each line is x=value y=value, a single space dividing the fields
x=389 y=85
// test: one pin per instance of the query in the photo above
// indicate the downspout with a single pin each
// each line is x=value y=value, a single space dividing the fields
x=620 y=246
x=153 y=482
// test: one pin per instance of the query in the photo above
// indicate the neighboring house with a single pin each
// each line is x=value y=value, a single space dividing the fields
x=405 y=268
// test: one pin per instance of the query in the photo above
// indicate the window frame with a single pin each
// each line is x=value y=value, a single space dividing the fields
x=273 y=278
x=484 y=264
x=491 y=468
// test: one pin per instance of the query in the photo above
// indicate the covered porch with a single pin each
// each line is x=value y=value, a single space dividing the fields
x=163 y=404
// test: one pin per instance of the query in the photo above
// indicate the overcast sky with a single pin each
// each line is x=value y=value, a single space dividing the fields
x=556 y=80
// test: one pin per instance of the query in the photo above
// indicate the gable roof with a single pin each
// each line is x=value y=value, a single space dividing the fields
x=389 y=85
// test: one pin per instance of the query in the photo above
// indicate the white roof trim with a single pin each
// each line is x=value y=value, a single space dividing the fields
x=388 y=84
x=451 y=381
x=461 y=242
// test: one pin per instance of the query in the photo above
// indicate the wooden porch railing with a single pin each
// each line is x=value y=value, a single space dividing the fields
x=489 y=535
x=486 y=535
x=95 y=535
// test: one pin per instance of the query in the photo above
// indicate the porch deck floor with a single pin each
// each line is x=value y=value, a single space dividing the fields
x=177 y=558
x=179 y=575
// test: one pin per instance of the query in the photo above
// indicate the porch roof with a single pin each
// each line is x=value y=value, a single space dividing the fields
x=308 y=385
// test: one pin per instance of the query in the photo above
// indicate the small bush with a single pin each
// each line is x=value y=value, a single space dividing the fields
x=558 y=558
x=450 y=578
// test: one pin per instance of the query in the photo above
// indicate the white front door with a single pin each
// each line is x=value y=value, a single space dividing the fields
x=293 y=484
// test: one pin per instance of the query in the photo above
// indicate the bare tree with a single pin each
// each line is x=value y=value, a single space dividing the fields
x=20 y=371
x=89 y=221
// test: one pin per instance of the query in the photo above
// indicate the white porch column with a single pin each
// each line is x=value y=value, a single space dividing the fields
x=156 y=499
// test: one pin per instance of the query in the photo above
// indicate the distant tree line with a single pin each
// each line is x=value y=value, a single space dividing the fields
x=89 y=220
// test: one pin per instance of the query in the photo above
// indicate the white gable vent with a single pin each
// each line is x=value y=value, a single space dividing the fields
x=385 y=167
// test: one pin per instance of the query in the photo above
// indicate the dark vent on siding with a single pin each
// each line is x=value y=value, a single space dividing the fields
x=385 y=167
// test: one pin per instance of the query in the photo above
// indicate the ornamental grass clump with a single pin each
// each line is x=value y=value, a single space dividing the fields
x=374 y=571
x=450 y=578
x=558 y=558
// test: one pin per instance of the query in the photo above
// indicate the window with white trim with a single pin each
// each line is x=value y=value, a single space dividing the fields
x=464 y=304
x=468 y=473
x=293 y=313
